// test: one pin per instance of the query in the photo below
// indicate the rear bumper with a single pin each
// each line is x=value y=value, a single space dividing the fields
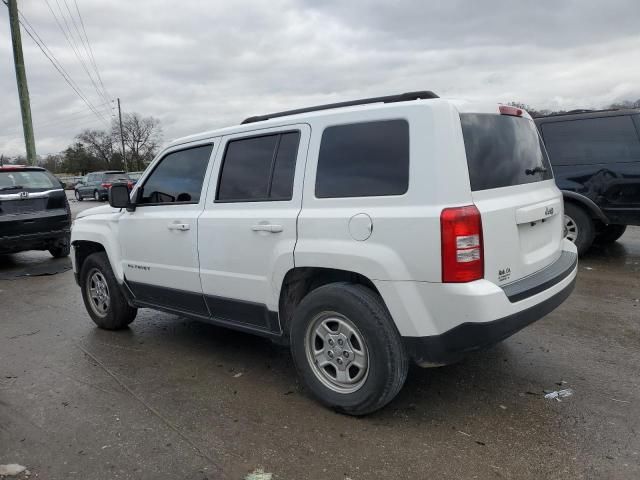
x=467 y=337
x=439 y=322
x=33 y=241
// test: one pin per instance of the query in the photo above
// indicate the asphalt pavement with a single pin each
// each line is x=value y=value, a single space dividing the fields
x=172 y=398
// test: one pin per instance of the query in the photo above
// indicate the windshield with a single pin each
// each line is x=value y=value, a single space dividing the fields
x=28 y=179
x=502 y=151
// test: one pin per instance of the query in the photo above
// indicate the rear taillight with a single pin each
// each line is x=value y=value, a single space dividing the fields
x=106 y=185
x=462 y=251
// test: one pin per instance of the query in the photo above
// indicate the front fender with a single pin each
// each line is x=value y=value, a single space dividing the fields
x=101 y=229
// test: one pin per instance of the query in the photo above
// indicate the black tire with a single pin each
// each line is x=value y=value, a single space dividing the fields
x=119 y=314
x=96 y=196
x=60 y=251
x=78 y=196
x=610 y=234
x=387 y=364
x=585 y=227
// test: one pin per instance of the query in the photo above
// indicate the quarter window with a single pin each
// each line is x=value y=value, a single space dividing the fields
x=363 y=160
x=178 y=177
x=259 y=168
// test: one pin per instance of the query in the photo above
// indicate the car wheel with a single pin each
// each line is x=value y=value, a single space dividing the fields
x=96 y=195
x=347 y=350
x=60 y=251
x=610 y=234
x=102 y=296
x=78 y=196
x=578 y=227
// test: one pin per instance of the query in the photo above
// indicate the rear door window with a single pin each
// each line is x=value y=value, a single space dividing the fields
x=592 y=141
x=259 y=168
x=503 y=151
x=363 y=160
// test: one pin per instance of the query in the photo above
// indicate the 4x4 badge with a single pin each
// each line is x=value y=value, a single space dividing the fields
x=548 y=211
x=24 y=195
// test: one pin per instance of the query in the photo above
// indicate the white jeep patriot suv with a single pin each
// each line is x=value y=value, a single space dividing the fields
x=363 y=234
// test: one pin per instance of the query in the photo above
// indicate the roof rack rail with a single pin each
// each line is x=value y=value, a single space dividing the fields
x=403 y=97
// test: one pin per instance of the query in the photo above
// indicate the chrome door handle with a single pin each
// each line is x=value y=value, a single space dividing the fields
x=179 y=226
x=267 y=228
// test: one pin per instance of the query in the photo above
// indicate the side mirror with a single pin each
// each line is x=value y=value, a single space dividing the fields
x=119 y=196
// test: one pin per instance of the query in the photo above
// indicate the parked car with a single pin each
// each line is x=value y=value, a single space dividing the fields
x=134 y=177
x=96 y=185
x=34 y=211
x=364 y=235
x=596 y=162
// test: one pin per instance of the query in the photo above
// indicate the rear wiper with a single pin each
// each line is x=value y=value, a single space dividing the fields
x=533 y=171
x=11 y=188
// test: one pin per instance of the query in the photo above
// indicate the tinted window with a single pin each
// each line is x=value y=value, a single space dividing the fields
x=592 y=141
x=285 y=166
x=259 y=168
x=178 y=177
x=502 y=151
x=364 y=159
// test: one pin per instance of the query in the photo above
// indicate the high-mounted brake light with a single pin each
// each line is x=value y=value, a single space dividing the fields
x=509 y=110
x=462 y=249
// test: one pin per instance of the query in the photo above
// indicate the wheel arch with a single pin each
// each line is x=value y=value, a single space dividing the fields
x=587 y=204
x=298 y=282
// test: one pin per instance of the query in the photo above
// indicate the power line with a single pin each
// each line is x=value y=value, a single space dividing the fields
x=93 y=60
x=56 y=64
x=71 y=41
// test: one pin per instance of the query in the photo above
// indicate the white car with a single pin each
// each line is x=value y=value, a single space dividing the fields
x=364 y=234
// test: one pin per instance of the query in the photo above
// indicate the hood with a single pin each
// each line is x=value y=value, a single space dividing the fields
x=101 y=210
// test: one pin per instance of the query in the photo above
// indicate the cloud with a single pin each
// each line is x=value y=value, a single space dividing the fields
x=200 y=65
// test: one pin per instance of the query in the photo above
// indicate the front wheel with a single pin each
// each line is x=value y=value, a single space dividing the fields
x=578 y=227
x=347 y=350
x=102 y=296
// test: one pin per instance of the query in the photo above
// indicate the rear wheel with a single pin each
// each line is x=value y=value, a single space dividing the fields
x=78 y=196
x=102 y=296
x=96 y=195
x=578 y=227
x=347 y=349
x=610 y=234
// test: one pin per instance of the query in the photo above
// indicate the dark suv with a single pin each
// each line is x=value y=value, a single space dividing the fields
x=596 y=163
x=34 y=212
x=96 y=185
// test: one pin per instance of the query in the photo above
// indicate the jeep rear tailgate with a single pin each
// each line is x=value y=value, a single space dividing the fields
x=512 y=187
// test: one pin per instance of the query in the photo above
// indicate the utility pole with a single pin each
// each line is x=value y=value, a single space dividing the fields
x=124 y=159
x=21 y=78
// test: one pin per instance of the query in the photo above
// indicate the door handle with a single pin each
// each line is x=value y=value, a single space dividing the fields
x=179 y=226
x=267 y=228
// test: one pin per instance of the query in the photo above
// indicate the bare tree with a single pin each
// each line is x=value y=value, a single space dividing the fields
x=142 y=137
x=98 y=143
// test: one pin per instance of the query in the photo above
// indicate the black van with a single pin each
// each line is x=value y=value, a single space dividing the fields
x=34 y=211
x=596 y=163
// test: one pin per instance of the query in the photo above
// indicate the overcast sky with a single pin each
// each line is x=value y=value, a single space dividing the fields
x=198 y=65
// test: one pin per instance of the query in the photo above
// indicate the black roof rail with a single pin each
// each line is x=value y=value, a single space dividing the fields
x=403 y=97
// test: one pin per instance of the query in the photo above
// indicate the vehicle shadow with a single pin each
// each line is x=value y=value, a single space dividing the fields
x=31 y=264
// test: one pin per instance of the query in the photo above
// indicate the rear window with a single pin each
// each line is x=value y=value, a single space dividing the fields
x=503 y=151
x=111 y=177
x=592 y=141
x=35 y=179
